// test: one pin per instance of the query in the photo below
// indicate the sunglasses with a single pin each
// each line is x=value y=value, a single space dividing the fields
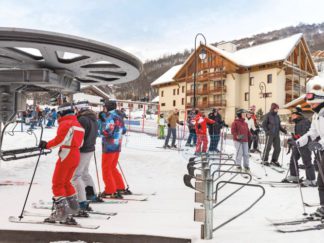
x=312 y=96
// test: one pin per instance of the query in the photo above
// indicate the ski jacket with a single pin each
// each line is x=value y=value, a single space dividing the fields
x=201 y=124
x=316 y=130
x=113 y=130
x=240 y=130
x=161 y=121
x=88 y=121
x=172 y=120
x=251 y=124
x=190 y=118
x=214 y=129
x=302 y=126
x=69 y=136
x=272 y=124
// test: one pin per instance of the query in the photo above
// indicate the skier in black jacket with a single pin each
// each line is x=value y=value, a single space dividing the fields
x=271 y=125
x=214 y=130
x=302 y=126
x=82 y=180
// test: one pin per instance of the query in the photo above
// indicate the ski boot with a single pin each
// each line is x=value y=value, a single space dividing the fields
x=309 y=183
x=252 y=151
x=247 y=170
x=61 y=211
x=187 y=145
x=319 y=213
x=265 y=163
x=291 y=179
x=174 y=146
x=82 y=212
x=275 y=163
x=116 y=195
x=239 y=168
x=125 y=192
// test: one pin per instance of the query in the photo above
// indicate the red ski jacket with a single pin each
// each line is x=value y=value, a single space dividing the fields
x=240 y=130
x=69 y=134
x=201 y=124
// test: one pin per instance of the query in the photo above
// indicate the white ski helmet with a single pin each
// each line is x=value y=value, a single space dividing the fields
x=315 y=90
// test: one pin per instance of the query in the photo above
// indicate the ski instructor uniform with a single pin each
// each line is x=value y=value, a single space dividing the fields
x=69 y=138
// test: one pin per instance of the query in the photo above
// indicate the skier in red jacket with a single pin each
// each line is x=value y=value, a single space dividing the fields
x=241 y=135
x=69 y=138
x=201 y=122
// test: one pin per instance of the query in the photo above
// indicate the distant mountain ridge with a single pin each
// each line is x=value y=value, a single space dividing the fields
x=313 y=33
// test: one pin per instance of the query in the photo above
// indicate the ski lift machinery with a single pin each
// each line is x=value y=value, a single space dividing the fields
x=39 y=61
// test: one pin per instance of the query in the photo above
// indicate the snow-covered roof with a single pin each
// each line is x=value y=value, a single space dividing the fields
x=91 y=98
x=167 y=77
x=156 y=99
x=261 y=54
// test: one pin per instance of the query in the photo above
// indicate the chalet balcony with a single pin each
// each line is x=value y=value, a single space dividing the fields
x=207 y=104
x=217 y=89
x=295 y=88
x=207 y=76
x=290 y=98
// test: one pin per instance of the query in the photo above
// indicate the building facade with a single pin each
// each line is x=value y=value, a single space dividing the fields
x=276 y=71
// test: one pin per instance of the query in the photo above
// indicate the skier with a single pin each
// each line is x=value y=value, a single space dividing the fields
x=241 y=135
x=272 y=126
x=315 y=98
x=172 y=120
x=251 y=125
x=70 y=138
x=214 y=130
x=201 y=122
x=82 y=180
x=112 y=132
x=255 y=133
x=191 y=128
x=302 y=125
x=161 y=126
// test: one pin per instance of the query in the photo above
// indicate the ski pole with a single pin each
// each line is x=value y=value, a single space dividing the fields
x=262 y=157
x=30 y=185
x=300 y=190
x=95 y=159
x=319 y=164
x=121 y=170
x=282 y=149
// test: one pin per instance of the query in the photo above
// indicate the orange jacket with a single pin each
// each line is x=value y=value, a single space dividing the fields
x=201 y=124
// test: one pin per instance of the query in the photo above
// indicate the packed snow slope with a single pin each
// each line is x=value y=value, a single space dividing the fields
x=149 y=168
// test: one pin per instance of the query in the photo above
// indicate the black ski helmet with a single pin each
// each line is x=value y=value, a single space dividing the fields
x=65 y=109
x=110 y=105
x=239 y=112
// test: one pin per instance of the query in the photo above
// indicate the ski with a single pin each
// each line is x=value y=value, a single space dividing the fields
x=282 y=222
x=126 y=198
x=14 y=183
x=299 y=228
x=140 y=194
x=311 y=204
x=175 y=149
x=284 y=185
x=95 y=212
x=14 y=219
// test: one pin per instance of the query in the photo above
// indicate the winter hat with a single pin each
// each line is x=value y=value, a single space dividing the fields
x=274 y=106
x=65 y=109
x=110 y=105
x=240 y=112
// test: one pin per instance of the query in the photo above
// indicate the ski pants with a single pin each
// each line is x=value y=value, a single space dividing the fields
x=214 y=140
x=64 y=169
x=82 y=178
x=272 y=140
x=320 y=178
x=242 y=150
x=202 y=143
x=305 y=154
x=161 y=131
x=172 y=131
x=254 y=140
x=192 y=136
x=110 y=174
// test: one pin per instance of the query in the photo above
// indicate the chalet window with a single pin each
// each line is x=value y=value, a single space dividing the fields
x=140 y=106
x=174 y=103
x=182 y=101
x=269 y=78
x=246 y=96
x=183 y=89
x=174 y=91
x=251 y=81
x=177 y=91
x=162 y=93
x=162 y=104
x=130 y=105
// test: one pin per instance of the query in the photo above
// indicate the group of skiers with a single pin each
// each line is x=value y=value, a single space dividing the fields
x=72 y=185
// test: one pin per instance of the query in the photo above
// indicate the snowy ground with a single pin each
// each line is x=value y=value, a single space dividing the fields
x=170 y=211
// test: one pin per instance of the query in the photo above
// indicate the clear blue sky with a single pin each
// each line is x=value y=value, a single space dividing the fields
x=151 y=28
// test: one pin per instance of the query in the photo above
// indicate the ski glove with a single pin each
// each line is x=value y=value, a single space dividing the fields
x=168 y=124
x=314 y=146
x=42 y=144
x=181 y=123
x=240 y=137
x=292 y=142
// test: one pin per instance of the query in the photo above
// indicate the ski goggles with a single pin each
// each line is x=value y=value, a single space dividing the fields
x=312 y=96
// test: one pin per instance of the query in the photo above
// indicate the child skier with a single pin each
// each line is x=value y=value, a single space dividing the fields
x=315 y=98
x=161 y=126
x=70 y=138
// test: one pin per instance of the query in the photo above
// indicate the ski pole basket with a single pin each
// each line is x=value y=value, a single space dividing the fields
x=20 y=153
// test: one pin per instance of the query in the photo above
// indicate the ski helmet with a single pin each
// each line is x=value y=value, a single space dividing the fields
x=65 y=109
x=240 y=112
x=315 y=90
x=82 y=105
x=110 y=105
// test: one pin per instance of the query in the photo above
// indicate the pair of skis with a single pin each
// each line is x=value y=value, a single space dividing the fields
x=308 y=223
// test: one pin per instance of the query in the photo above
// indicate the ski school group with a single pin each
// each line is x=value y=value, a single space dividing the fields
x=72 y=186
x=306 y=140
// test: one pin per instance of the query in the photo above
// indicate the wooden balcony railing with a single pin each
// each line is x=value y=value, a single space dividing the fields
x=296 y=88
x=207 y=104
x=217 y=89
